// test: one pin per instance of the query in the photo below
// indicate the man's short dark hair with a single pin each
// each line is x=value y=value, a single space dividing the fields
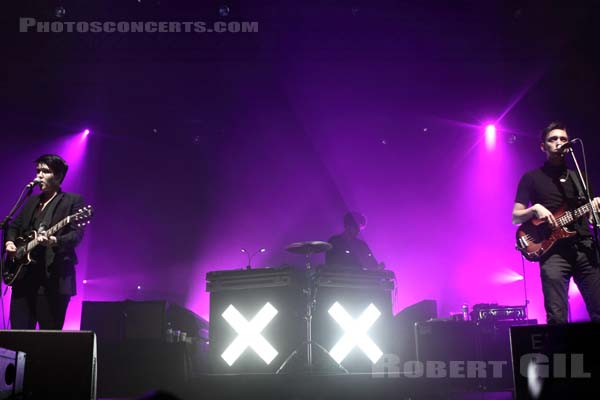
x=356 y=219
x=552 y=126
x=55 y=163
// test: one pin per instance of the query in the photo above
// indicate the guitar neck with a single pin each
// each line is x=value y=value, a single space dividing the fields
x=59 y=225
x=570 y=216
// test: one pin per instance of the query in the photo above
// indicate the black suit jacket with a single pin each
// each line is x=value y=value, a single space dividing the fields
x=59 y=260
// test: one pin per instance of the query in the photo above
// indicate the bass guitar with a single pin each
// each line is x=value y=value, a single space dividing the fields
x=17 y=262
x=535 y=237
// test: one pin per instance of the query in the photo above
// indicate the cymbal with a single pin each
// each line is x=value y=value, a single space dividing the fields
x=310 y=247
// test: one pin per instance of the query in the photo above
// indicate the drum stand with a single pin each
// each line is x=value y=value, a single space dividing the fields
x=310 y=293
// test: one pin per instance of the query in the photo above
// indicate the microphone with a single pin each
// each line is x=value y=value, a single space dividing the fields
x=34 y=182
x=567 y=146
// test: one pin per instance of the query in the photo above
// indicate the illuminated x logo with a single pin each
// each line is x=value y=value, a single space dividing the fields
x=249 y=334
x=355 y=333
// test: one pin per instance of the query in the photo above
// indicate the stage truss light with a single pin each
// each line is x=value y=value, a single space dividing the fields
x=355 y=333
x=249 y=334
x=490 y=136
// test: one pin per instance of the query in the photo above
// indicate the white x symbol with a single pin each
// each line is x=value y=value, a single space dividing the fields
x=355 y=333
x=249 y=334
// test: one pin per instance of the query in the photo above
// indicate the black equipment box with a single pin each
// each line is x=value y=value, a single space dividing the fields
x=248 y=292
x=118 y=321
x=354 y=290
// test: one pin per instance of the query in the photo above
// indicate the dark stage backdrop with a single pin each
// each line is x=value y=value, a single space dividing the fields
x=202 y=144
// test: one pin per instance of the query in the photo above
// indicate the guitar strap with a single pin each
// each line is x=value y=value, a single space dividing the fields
x=582 y=199
x=580 y=194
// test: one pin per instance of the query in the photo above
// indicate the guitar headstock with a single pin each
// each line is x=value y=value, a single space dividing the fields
x=83 y=215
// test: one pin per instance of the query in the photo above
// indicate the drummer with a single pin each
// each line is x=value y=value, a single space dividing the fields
x=348 y=251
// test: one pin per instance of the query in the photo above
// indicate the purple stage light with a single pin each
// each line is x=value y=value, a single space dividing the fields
x=506 y=275
x=573 y=289
x=85 y=281
x=490 y=137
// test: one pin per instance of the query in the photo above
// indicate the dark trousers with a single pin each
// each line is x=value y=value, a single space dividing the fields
x=47 y=310
x=570 y=258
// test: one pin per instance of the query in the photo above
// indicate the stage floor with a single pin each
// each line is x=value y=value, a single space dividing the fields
x=323 y=386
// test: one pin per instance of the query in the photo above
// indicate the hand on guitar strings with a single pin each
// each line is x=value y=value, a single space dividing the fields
x=595 y=207
x=596 y=204
x=47 y=241
x=542 y=213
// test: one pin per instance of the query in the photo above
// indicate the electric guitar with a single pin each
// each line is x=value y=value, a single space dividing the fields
x=16 y=263
x=535 y=237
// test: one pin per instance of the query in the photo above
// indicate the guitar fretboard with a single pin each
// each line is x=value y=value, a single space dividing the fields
x=31 y=245
x=571 y=216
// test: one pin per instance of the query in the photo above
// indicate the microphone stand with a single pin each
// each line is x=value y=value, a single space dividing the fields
x=25 y=193
x=593 y=212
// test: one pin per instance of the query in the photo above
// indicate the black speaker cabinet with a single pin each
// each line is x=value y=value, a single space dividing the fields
x=404 y=327
x=271 y=298
x=115 y=321
x=12 y=368
x=495 y=346
x=60 y=364
x=443 y=340
x=556 y=361
x=448 y=350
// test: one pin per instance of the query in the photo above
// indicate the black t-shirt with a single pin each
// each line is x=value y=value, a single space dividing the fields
x=553 y=187
x=349 y=253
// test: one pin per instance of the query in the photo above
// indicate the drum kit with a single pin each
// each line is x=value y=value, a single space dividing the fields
x=308 y=248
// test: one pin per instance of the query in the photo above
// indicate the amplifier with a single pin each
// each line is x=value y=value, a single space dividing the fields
x=250 y=278
x=495 y=312
x=355 y=279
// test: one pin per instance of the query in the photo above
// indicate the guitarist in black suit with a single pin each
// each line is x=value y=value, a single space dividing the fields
x=540 y=193
x=43 y=290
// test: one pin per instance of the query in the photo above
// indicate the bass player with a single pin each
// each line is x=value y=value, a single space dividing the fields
x=540 y=193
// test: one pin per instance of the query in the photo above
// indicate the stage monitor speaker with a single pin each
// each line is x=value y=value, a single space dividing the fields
x=448 y=349
x=419 y=312
x=495 y=346
x=12 y=367
x=556 y=361
x=404 y=327
x=115 y=321
x=445 y=340
x=60 y=364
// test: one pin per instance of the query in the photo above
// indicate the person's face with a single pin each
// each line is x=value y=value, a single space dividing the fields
x=352 y=229
x=554 y=140
x=50 y=182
